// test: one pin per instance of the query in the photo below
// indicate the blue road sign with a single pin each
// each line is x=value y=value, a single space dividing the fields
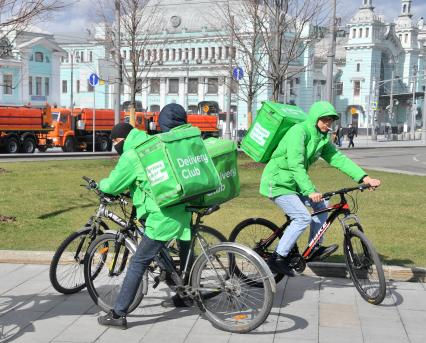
x=238 y=73
x=93 y=79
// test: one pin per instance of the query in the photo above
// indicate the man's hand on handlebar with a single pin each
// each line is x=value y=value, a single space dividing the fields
x=315 y=197
x=373 y=183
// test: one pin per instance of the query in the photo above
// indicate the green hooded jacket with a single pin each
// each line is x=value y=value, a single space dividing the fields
x=128 y=174
x=301 y=146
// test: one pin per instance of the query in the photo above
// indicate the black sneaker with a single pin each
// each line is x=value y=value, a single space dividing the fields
x=280 y=264
x=110 y=320
x=176 y=301
x=321 y=252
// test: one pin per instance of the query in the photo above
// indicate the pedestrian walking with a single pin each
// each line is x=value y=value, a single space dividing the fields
x=337 y=136
x=351 y=134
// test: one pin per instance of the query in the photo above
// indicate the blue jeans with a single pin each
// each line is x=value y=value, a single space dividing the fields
x=145 y=253
x=295 y=207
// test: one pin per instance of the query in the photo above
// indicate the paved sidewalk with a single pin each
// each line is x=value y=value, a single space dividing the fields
x=362 y=142
x=306 y=309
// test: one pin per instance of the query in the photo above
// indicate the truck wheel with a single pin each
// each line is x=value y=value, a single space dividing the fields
x=69 y=145
x=102 y=144
x=12 y=145
x=28 y=146
x=42 y=148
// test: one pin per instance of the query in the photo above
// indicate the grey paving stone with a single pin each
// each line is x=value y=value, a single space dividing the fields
x=202 y=338
x=84 y=328
x=414 y=322
x=338 y=316
x=340 y=335
x=20 y=275
x=384 y=334
x=410 y=300
x=414 y=286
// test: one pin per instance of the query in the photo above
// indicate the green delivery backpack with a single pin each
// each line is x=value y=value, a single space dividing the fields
x=177 y=165
x=272 y=122
x=224 y=155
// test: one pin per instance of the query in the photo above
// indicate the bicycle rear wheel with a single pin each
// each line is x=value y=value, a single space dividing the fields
x=227 y=300
x=364 y=266
x=66 y=268
x=110 y=258
x=259 y=234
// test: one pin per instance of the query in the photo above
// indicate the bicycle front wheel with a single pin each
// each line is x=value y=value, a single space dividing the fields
x=105 y=267
x=66 y=268
x=226 y=299
x=364 y=266
x=259 y=234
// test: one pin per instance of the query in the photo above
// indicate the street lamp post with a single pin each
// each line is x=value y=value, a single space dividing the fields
x=424 y=111
x=413 y=105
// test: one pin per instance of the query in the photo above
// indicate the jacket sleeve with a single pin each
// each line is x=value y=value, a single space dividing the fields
x=296 y=159
x=121 y=177
x=338 y=160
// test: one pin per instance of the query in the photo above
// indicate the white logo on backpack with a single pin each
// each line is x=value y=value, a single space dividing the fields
x=156 y=173
x=259 y=134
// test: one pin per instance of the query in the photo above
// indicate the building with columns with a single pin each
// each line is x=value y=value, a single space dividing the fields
x=376 y=61
x=29 y=68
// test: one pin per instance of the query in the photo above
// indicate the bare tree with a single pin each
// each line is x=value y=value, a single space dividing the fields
x=243 y=20
x=286 y=35
x=18 y=14
x=140 y=27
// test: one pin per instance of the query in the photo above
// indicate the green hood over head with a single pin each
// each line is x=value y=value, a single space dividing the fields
x=321 y=109
x=135 y=138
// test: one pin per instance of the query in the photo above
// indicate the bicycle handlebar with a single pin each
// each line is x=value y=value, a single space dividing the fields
x=92 y=185
x=345 y=190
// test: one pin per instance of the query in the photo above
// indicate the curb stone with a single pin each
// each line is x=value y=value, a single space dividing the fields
x=326 y=269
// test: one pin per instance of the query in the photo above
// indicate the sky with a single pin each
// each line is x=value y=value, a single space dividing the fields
x=74 y=21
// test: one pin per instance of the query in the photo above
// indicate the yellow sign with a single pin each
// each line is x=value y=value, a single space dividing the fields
x=101 y=82
x=206 y=108
x=353 y=110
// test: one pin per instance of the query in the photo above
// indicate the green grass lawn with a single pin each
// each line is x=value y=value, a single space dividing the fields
x=48 y=203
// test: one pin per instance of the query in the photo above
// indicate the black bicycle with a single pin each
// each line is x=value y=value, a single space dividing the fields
x=66 y=268
x=229 y=301
x=361 y=258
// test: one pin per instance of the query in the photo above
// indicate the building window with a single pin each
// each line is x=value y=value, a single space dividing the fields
x=78 y=86
x=234 y=52
x=358 y=67
x=90 y=88
x=173 y=86
x=406 y=38
x=193 y=86
x=227 y=52
x=360 y=33
x=206 y=53
x=155 y=54
x=30 y=85
x=167 y=55
x=38 y=85
x=7 y=84
x=200 y=52
x=38 y=57
x=354 y=33
x=220 y=53
x=212 y=85
x=64 y=86
x=180 y=55
x=154 y=86
x=81 y=56
x=234 y=86
x=138 y=85
x=193 y=54
x=187 y=54
x=357 y=88
x=339 y=88
x=46 y=86
x=90 y=56
x=154 y=108
x=192 y=109
x=367 y=32
x=173 y=54
x=213 y=52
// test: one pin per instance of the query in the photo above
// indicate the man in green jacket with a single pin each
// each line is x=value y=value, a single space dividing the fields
x=285 y=180
x=161 y=224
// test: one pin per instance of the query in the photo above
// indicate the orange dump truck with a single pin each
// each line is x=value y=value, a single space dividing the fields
x=74 y=131
x=23 y=129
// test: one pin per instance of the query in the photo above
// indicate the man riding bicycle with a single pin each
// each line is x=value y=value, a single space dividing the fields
x=285 y=181
x=161 y=224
